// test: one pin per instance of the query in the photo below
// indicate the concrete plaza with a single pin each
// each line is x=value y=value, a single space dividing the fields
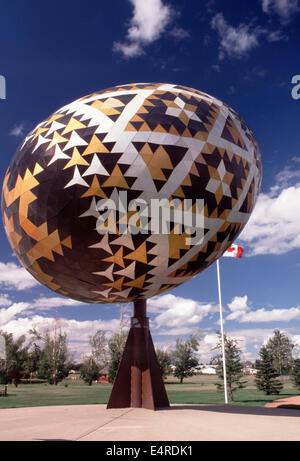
x=177 y=423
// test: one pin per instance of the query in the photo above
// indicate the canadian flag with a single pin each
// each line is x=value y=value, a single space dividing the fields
x=234 y=251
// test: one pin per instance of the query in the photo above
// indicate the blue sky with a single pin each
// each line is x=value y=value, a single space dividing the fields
x=244 y=53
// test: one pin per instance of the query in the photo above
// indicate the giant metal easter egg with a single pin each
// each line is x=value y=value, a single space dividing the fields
x=151 y=143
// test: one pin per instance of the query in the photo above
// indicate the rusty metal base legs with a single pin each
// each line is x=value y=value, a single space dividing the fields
x=138 y=382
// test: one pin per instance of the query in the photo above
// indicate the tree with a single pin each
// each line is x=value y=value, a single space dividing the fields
x=184 y=358
x=54 y=359
x=234 y=367
x=98 y=358
x=33 y=362
x=45 y=371
x=89 y=371
x=99 y=345
x=281 y=349
x=12 y=369
x=116 y=346
x=296 y=373
x=265 y=378
x=164 y=361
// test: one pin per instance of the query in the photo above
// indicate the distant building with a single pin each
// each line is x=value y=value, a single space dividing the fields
x=249 y=371
x=103 y=376
x=208 y=369
x=74 y=375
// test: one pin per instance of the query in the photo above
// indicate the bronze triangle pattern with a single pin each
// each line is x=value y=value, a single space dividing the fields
x=152 y=141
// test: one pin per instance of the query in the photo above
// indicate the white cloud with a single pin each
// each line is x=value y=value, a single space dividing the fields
x=129 y=50
x=258 y=71
x=78 y=332
x=17 y=130
x=207 y=346
x=266 y=315
x=210 y=6
x=235 y=41
x=181 y=331
x=44 y=303
x=276 y=36
x=5 y=300
x=273 y=227
x=7 y=314
x=238 y=307
x=231 y=89
x=255 y=72
x=149 y=21
x=171 y=316
x=216 y=67
x=177 y=315
x=179 y=33
x=239 y=303
x=251 y=337
x=242 y=313
x=249 y=341
x=288 y=176
x=285 y=9
x=13 y=276
x=296 y=340
x=205 y=350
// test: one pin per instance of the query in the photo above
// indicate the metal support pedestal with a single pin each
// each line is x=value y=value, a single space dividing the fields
x=138 y=382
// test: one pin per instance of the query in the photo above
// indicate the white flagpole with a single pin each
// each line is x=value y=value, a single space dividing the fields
x=222 y=332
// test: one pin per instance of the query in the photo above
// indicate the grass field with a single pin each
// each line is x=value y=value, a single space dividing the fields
x=198 y=389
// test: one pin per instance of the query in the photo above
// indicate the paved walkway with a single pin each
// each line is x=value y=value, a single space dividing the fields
x=177 y=423
x=283 y=402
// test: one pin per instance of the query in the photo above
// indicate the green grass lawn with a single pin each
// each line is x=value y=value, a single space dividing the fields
x=199 y=389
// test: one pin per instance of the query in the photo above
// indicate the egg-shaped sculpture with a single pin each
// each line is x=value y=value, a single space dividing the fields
x=138 y=146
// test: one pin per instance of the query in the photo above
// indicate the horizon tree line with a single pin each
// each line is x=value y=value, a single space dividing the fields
x=47 y=357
